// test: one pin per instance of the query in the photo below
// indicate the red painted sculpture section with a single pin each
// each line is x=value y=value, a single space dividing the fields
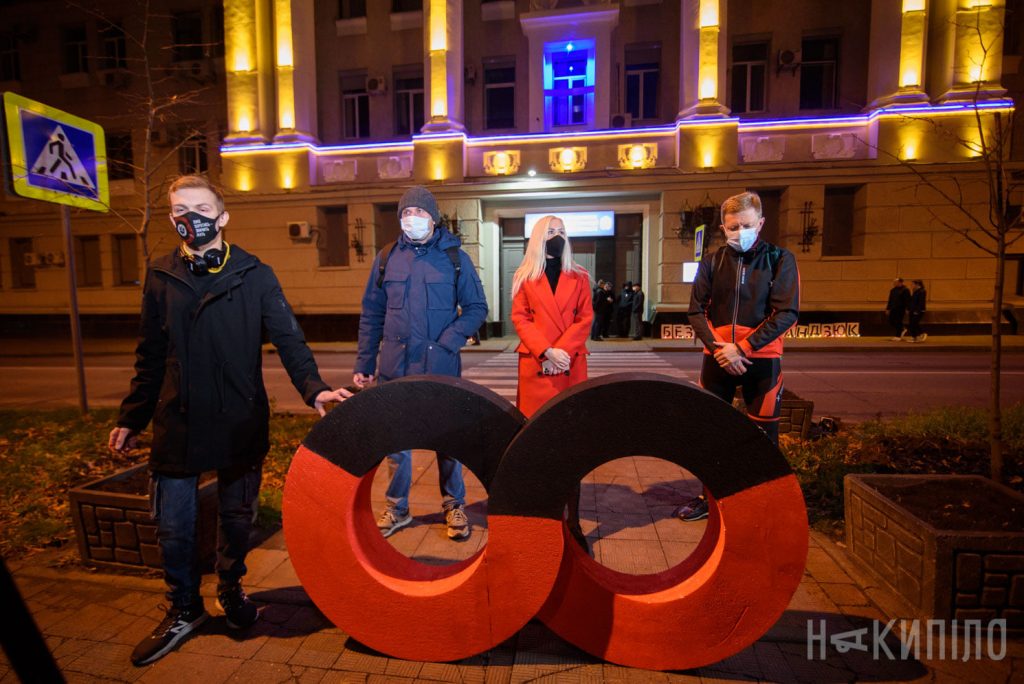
x=722 y=598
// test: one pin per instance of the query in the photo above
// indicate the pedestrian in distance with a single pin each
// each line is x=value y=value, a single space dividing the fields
x=636 y=318
x=551 y=312
x=596 y=296
x=198 y=376
x=745 y=296
x=624 y=310
x=422 y=301
x=896 y=308
x=918 y=304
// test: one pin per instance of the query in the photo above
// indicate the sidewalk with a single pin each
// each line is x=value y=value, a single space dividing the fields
x=25 y=347
x=93 y=619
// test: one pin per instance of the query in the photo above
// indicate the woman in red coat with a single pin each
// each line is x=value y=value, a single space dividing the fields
x=552 y=312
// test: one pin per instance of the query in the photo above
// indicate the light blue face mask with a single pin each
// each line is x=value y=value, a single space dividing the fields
x=416 y=227
x=744 y=240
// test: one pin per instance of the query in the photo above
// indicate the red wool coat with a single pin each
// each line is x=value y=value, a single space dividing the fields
x=542 y=320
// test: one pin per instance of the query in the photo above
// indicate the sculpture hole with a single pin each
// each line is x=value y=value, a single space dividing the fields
x=425 y=539
x=626 y=512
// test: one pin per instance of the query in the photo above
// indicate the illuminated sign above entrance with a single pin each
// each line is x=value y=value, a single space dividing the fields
x=579 y=223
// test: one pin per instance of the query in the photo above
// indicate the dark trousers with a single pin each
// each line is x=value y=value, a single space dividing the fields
x=762 y=390
x=896 y=322
x=914 y=326
x=622 y=322
x=175 y=508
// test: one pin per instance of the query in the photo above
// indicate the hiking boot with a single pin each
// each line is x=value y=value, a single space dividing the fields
x=457 y=522
x=179 y=623
x=239 y=611
x=390 y=522
x=693 y=510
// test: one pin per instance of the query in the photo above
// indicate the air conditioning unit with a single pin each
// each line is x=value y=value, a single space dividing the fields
x=54 y=258
x=299 y=230
x=376 y=85
x=115 y=78
x=624 y=120
x=788 y=59
x=32 y=259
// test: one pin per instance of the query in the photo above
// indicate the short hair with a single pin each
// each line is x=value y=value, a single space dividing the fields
x=196 y=181
x=919 y=283
x=742 y=202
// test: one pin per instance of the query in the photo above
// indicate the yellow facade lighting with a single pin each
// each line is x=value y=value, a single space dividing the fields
x=912 y=37
x=439 y=83
x=501 y=162
x=638 y=156
x=708 y=13
x=567 y=159
x=707 y=72
x=913 y=5
x=283 y=26
x=438 y=25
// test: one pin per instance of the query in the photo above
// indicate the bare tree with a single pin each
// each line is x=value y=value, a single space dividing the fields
x=992 y=225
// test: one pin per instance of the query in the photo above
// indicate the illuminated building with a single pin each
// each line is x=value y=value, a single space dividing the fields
x=646 y=108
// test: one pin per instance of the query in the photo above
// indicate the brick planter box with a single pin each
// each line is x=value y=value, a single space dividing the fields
x=113 y=527
x=794 y=413
x=950 y=546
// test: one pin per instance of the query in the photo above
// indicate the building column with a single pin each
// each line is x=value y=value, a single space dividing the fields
x=898 y=36
x=443 y=56
x=247 y=38
x=702 y=59
x=971 y=34
x=295 y=70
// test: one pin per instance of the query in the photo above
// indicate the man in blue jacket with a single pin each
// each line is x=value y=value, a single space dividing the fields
x=423 y=300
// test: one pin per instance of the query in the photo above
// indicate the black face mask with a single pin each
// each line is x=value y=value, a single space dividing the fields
x=556 y=246
x=195 y=229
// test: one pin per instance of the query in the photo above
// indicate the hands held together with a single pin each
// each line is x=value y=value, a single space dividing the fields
x=731 y=358
x=556 y=361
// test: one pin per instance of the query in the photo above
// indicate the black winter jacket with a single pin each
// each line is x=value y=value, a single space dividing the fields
x=198 y=364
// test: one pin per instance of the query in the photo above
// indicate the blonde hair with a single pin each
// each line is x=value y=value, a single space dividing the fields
x=741 y=202
x=195 y=181
x=532 y=266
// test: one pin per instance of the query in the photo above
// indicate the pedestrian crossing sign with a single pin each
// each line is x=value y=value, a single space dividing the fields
x=55 y=156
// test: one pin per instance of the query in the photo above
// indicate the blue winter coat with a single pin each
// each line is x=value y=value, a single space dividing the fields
x=412 y=318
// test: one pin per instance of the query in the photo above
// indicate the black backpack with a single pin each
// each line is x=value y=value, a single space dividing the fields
x=385 y=254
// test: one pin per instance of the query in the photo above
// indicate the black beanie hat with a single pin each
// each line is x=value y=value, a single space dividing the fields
x=419 y=196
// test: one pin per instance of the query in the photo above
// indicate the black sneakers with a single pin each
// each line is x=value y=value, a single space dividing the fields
x=693 y=510
x=238 y=609
x=178 y=624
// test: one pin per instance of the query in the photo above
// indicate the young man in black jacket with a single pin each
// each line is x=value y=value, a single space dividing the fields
x=746 y=295
x=198 y=376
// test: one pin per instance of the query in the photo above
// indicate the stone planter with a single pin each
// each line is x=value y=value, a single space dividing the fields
x=950 y=546
x=112 y=523
x=794 y=413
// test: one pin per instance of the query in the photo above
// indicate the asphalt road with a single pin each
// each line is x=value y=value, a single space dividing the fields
x=853 y=386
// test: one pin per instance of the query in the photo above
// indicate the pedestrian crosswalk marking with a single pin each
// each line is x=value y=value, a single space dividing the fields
x=59 y=161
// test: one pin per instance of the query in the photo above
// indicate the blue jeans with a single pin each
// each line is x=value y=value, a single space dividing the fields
x=175 y=507
x=453 y=489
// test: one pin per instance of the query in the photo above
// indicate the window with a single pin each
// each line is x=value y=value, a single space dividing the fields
x=332 y=242
x=569 y=83
x=87 y=261
x=112 y=48
x=355 y=106
x=192 y=156
x=76 y=50
x=386 y=227
x=10 y=59
x=23 y=276
x=187 y=33
x=126 y=260
x=351 y=9
x=838 y=221
x=643 y=64
x=818 y=69
x=119 y=156
x=749 y=73
x=406 y=5
x=500 y=93
x=408 y=103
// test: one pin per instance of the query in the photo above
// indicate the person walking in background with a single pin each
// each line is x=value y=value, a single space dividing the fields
x=623 y=310
x=607 y=309
x=199 y=377
x=551 y=312
x=601 y=305
x=423 y=300
x=636 y=319
x=896 y=308
x=918 y=302
x=595 y=298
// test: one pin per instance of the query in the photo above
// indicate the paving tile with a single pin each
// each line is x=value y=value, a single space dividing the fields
x=216 y=639
x=69 y=650
x=632 y=556
x=190 y=667
x=805 y=669
x=440 y=672
x=261 y=564
x=282 y=576
x=280 y=647
x=319 y=650
x=107 y=661
x=258 y=672
x=627 y=526
x=96 y=622
x=844 y=594
x=823 y=568
x=306 y=620
x=772 y=662
x=336 y=677
x=397 y=667
x=358 y=658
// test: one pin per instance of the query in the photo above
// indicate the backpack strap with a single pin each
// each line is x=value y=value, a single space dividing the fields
x=385 y=254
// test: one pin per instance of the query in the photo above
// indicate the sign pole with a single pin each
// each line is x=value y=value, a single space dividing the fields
x=76 y=328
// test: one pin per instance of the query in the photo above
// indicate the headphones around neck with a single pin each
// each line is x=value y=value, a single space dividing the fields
x=210 y=261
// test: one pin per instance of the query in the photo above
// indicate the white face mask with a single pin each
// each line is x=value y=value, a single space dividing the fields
x=744 y=240
x=416 y=228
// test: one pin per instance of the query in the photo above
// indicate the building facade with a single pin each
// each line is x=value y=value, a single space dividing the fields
x=857 y=122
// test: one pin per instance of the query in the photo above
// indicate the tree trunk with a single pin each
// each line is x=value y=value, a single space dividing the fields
x=995 y=426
